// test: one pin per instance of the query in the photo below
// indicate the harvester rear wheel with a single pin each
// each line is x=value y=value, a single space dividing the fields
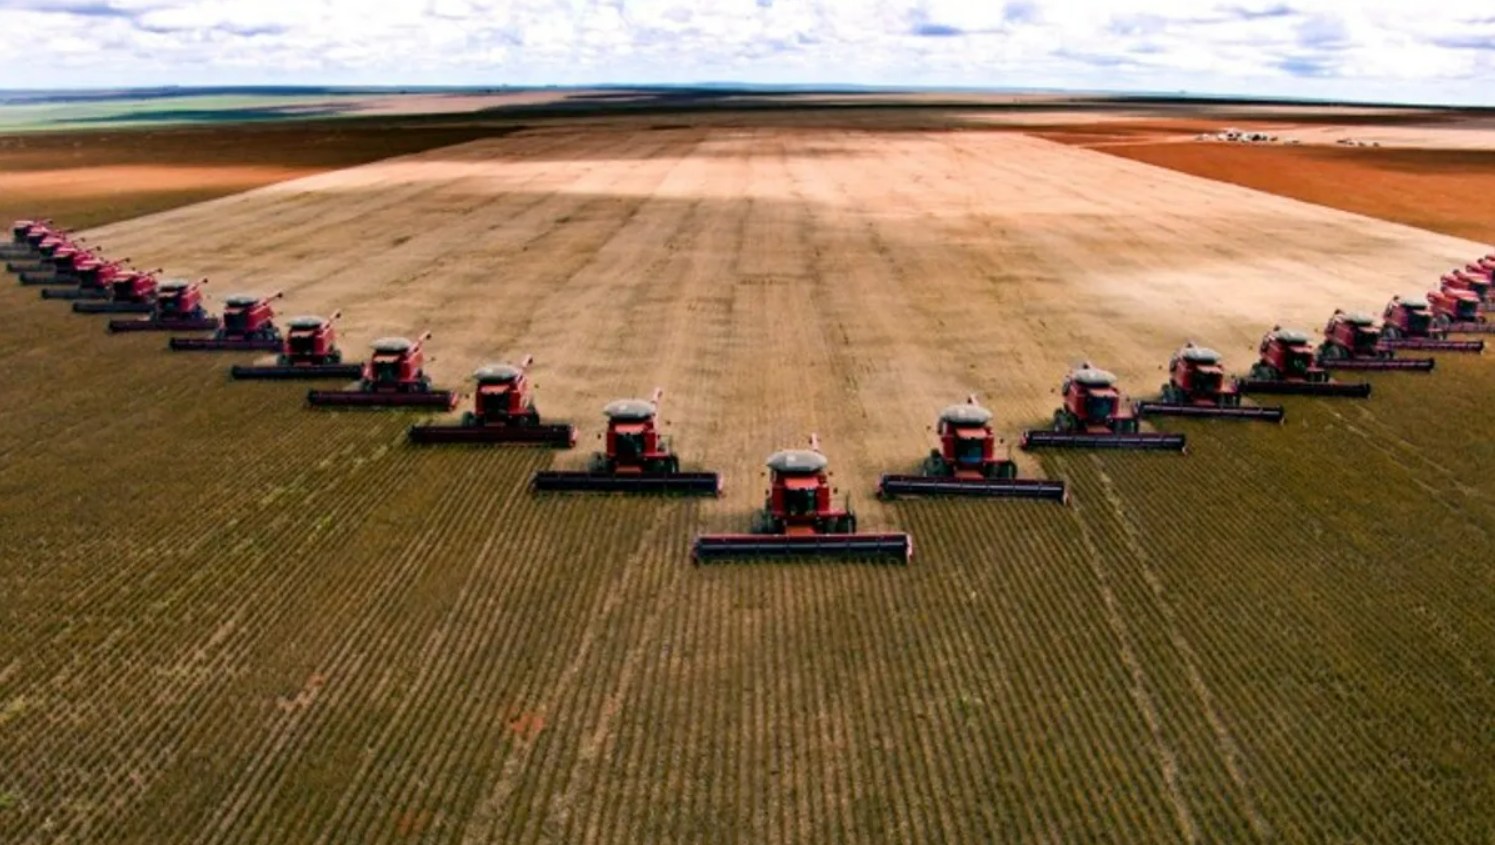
x=1002 y=470
x=1262 y=371
x=934 y=465
x=1126 y=426
x=1390 y=332
x=1064 y=421
x=763 y=523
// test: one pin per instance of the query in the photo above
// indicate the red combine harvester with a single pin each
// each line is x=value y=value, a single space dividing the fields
x=1413 y=323
x=799 y=519
x=92 y=279
x=130 y=292
x=1197 y=388
x=20 y=244
x=637 y=459
x=1459 y=311
x=178 y=308
x=394 y=377
x=1096 y=415
x=60 y=268
x=1463 y=280
x=310 y=352
x=503 y=412
x=1287 y=366
x=1352 y=342
x=248 y=325
x=967 y=463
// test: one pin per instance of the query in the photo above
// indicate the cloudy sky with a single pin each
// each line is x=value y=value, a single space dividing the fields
x=1410 y=50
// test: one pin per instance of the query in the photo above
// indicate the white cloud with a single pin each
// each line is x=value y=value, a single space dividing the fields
x=1373 y=49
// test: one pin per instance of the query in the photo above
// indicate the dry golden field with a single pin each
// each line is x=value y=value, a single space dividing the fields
x=228 y=618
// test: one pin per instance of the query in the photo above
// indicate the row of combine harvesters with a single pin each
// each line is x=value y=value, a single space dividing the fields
x=800 y=516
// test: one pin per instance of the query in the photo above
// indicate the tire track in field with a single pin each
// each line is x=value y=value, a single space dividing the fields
x=1142 y=699
x=1226 y=746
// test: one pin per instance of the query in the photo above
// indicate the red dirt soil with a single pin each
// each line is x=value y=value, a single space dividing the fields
x=1439 y=190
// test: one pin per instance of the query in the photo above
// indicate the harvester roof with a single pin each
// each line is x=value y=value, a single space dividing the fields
x=240 y=300
x=1414 y=303
x=797 y=462
x=1290 y=336
x=1201 y=355
x=1358 y=318
x=393 y=345
x=497 y=374
x=1092 y=377
x=305 y=322
x=629 y=410
x=965 y=414
x=172 y=285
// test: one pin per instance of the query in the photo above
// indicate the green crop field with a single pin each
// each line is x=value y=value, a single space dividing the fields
x=227 y=618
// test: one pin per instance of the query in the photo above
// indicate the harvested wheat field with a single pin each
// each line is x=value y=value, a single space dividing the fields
x=229 y=618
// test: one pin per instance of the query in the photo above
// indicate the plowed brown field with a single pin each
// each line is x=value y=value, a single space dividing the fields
x=231 y=619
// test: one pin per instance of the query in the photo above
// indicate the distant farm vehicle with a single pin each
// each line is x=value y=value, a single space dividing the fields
x=1095 y=415
x=503 y=412
x=799 y=519
x=968 y=462
x=1197 y=387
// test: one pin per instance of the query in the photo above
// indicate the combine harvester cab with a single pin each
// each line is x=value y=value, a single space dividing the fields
x=637 y=459
x=1287 y=366
x=178 y=308
x=394 y=377
x=1414 y=323
x=799 y=520
x=1096 y=415
x=967 y=464
x=248 y=325
x=1197 y=388
x=1352 y=342
x=1459 y=311
x=503 y=412
x=130 y=292
x=309 y=352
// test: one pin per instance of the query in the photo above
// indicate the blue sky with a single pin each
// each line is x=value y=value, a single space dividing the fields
x=1427 y=51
